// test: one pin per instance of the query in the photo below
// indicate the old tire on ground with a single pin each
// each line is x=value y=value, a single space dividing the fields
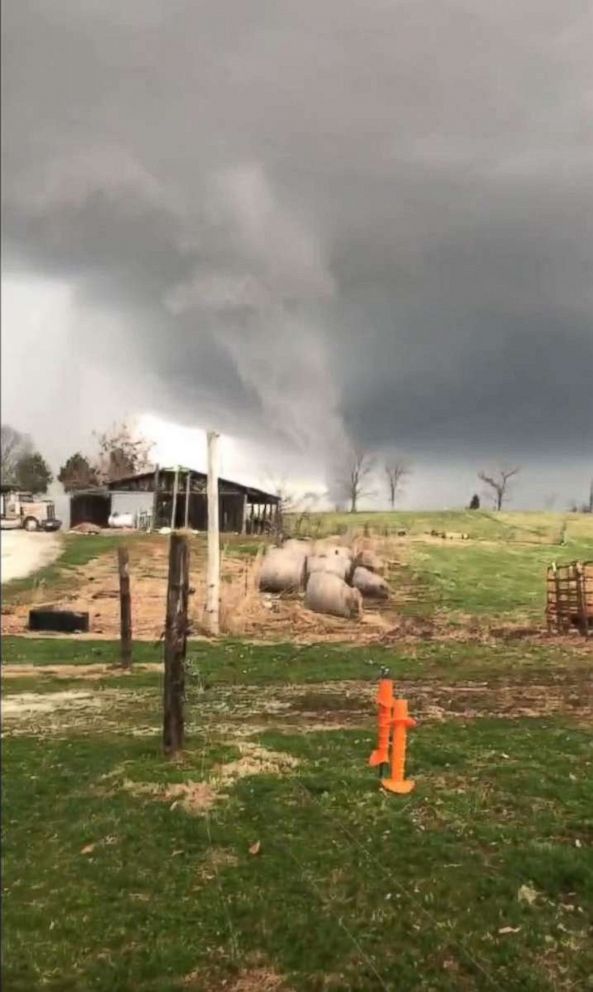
x=62 y=621
x=31 y=524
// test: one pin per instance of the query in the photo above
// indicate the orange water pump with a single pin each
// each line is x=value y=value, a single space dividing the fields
x=393 y=725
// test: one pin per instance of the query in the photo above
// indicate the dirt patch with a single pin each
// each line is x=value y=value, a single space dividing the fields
x=193 y=797
x=239 y=712
x=254 y=760
x=84 y=711
x=25 y=704
x=351 y=704
x=247 y=613
x=261 y=979
x=258 y=980
x=510 y=701
x=196 y=798
x=216 y=859
x=244 y=610
x=91 y=672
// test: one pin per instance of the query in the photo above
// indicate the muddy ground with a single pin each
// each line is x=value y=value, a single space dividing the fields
x=243 y=710
x=244 y=610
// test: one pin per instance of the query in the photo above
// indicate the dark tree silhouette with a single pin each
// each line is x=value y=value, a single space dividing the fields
x=396 y=471
x=32 y=473
x=354 y=475
x=498 y=482
x=78 y=473
x=13 y=446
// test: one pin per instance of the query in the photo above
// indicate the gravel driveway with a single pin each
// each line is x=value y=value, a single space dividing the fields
x=23 y=553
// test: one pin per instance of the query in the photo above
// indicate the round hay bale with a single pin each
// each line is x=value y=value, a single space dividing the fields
x=371 y=585
x=282 y=571
x=331 y=564
x=369 y=560
x=327 y=593
x=296 y=547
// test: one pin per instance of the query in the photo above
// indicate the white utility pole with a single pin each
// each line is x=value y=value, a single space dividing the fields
x=213 y=574
x=187 y=488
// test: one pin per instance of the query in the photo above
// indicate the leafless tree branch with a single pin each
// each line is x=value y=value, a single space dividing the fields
x=396 y=471
x=353 y=476
x=498 y=482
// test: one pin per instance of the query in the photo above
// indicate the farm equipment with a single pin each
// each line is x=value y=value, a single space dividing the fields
x=570 y=597
x=22 y=510
x=393 y=725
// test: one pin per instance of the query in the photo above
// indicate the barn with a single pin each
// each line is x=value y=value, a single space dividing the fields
x=177 y=497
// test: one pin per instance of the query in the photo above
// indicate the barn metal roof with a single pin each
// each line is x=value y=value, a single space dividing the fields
x=252 y=493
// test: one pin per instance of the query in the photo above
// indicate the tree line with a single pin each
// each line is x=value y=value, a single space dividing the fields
x=118 y=453
x=22 y=466
x=357 y=477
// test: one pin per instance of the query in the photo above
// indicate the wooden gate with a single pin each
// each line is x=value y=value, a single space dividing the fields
x=570 y=597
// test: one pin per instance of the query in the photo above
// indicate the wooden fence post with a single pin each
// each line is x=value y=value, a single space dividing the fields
x=213 y=564
x=125 y=606
x=175 y=644
x=581 y=599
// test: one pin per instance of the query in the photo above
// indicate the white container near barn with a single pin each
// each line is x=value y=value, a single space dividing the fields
x=119 y=520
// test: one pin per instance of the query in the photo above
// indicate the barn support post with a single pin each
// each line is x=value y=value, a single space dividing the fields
x=187 y=488
x=244 y=516
x=155 y=498
x=125 y=607
x=252 y=517
x=175 y=645
x=174 y=503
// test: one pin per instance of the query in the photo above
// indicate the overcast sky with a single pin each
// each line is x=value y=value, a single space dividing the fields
x=305 y=223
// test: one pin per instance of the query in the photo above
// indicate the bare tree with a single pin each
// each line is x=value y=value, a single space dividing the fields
x=121 y=453
x=278 y=485
x=498 y=482
x=14 y=446
x=353 y=476
x=589 y=506
x=396 y=470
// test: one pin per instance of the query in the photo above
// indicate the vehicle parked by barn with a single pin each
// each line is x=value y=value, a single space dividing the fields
x=24 y=510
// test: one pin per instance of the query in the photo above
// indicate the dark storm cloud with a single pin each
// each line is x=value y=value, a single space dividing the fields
x=369 y=218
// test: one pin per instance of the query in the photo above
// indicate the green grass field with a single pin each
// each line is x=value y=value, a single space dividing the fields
x=480 y=525
x=267 y=857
